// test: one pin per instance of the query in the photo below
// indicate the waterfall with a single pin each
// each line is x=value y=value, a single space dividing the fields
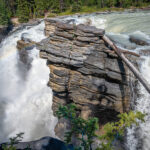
x=25 y=103
x=138 y=138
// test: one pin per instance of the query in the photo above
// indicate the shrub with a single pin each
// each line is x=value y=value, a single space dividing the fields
x=85 y=130
x=14 y=140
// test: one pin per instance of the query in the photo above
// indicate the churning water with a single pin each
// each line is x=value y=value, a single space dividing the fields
x=25 y=103
x=119 y=27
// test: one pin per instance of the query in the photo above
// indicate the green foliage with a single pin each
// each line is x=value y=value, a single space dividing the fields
x=4 y=17
x=76 y=7
x=14 y=140
x=85 y=129
x=23 y=11
x=115 y=130
x=26 y=9
x=55 y=6
x=39 y=8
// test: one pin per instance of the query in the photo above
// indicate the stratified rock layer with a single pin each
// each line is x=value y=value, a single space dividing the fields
x=85 y=71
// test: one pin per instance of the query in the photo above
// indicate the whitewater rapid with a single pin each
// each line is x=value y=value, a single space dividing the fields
x=25 y=103
x=119 y=26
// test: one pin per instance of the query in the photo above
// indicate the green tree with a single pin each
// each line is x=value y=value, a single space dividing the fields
x=39 y=8
x=11 y=7
x=23 y=10
x=14 y=140
x=77 y=4
x=56 y=6
x=4 y=17
x=85 y=129
x=115 y=130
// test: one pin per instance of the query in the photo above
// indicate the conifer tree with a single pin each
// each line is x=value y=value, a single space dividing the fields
x=23 y=11
x=76 y=5
x=4 y=17
x=39 y=8
x=56 y=6
x=26 y=9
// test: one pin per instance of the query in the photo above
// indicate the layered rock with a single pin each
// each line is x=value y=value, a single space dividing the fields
x=85 y=71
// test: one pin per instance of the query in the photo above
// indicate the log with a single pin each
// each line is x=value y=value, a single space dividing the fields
x=137 y=74
x=124 y=51
x=129 y=52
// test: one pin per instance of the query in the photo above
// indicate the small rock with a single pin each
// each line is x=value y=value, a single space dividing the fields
x=138 y=40
x=24 y=37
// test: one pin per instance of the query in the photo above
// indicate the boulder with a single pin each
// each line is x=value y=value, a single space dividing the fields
x=139 y=40
x=45 y=143
x=145 y=52
x=25 y=45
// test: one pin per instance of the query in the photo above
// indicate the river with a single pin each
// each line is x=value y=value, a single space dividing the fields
x=25 y=103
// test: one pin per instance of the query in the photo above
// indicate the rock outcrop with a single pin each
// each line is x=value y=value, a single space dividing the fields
x=24 y=46
x=85 y=71
x=3 y=32
x=45 y=143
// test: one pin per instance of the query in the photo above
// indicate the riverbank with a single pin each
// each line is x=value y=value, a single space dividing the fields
x=94 y=9
x=84 y=10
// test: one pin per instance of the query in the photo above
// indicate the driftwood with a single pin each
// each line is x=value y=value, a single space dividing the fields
x=128 y=52
x=124 y=51
x=128 y=63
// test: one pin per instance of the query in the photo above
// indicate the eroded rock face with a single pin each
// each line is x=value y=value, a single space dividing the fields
x=85 y=71
x=24 y=46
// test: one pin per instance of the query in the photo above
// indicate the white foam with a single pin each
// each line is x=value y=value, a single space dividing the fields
x=25 y=102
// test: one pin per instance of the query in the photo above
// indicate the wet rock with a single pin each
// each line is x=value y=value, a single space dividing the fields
x=25 y=44
x=138 y=40
x=45 y=143
x=144 y=52
x=3 y=32
x=25 y=38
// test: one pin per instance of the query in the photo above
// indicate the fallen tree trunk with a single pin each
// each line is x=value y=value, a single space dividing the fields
x=128 y=52
x=125 y=52
x=128 y=63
